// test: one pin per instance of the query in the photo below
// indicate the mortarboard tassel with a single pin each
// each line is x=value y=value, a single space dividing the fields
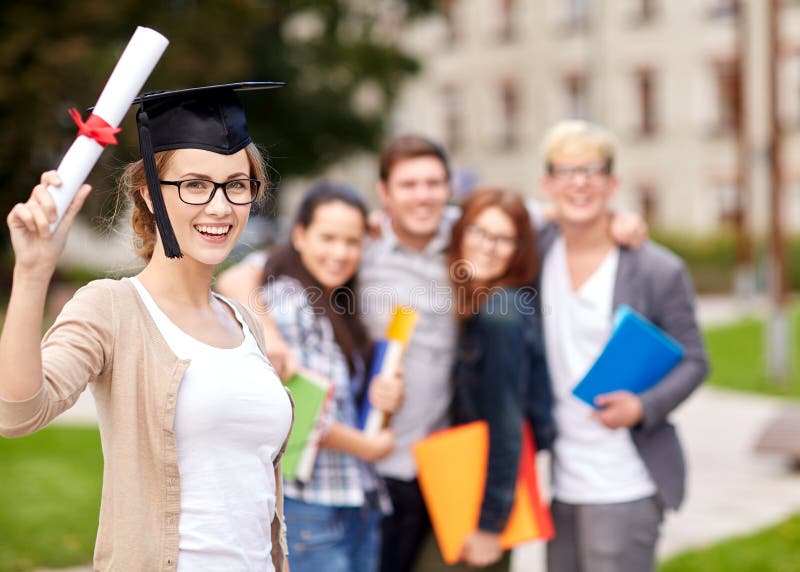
x=171 y=247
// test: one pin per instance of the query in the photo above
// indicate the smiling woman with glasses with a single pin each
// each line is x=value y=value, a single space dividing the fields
x=500 y=374
x=192 y=417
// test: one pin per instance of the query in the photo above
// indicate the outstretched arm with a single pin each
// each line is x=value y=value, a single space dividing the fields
x=36 y=251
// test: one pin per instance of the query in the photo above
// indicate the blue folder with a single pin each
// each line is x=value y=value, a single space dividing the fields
x=637 y=357
x=378 y=354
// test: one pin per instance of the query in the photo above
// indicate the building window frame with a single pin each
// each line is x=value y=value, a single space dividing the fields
x=647 y=196
x=645 y=12
x=452 y=107
x=576 y=15
x=577 y=94
x=448 y=10
x=723 y=9
x=645 y=80
x=507 y=30
x=728 y=100
x=510 y=113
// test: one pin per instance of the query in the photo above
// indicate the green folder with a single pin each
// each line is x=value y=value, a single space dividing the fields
x=311 y=394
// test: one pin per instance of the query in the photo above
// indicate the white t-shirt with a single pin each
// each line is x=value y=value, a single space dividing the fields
x=592 y=464
x=232 y=416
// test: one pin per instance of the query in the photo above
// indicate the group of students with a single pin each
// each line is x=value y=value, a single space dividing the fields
x=487 y=347
x=192 y=415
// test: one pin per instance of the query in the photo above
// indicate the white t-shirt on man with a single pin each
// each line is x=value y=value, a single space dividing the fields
x=592 y=464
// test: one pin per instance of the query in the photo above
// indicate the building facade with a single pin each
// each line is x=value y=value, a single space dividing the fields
x=683 y=84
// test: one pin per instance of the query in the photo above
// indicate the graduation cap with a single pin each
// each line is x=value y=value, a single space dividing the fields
x=210 y=118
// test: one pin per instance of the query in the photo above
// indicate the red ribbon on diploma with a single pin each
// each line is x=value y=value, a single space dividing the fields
x=95 y=128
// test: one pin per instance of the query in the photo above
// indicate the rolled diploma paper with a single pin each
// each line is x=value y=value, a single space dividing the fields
x=133 y=68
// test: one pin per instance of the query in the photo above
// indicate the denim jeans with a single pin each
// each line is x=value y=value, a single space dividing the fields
x=332 y=539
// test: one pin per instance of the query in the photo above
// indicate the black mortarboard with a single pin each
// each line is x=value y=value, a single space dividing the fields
x=210 y=118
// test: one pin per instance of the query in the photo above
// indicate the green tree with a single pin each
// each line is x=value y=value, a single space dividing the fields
x=338 y=58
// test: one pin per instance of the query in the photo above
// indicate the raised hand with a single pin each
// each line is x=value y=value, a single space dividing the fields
x=36 y=248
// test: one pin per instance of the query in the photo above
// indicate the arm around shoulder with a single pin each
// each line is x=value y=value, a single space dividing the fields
x=242 y=281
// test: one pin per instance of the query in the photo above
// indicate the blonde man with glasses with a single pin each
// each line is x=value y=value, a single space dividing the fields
x=616 y=467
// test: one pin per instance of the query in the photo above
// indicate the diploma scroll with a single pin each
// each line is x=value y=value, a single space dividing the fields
x=133 y=68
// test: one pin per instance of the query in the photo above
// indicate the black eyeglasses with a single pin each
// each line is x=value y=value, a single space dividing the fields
x=595 y=171
x=201 y=191
x=500 y=242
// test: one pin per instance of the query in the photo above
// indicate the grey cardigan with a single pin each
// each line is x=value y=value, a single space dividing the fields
x=654 y=282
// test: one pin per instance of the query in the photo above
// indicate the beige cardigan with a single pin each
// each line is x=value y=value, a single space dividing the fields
x=106 y=338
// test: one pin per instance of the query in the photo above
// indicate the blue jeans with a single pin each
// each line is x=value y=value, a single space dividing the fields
x=332 y=539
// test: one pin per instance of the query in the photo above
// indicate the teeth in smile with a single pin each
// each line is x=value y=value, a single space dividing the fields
x=213 y=229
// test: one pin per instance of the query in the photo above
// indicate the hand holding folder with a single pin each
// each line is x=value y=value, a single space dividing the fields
x=312 y=396
x=637 y=357
x=452 y=466
x=386 y=363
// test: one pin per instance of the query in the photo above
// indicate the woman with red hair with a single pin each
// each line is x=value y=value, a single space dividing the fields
x=500 y=372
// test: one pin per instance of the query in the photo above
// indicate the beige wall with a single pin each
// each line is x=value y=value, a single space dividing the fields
x=686 y=164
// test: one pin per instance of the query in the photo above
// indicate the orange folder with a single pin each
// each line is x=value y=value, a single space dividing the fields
x=452 y=476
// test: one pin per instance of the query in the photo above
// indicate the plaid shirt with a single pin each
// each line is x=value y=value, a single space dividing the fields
x=338 y=479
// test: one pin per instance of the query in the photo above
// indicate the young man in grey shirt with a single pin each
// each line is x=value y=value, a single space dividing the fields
x=408 y=265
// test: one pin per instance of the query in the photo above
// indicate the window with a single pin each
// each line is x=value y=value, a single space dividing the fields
x=509 y=109
x=448 y=8
x=577 y=14
x=645 y=86
x=507 y=18
x=645 y=11
x=794 y=206
x=727 y=76
x=789 y=90
x=728 y=208
x=451 y=102
x=576 y=91
x=724 y=8
x=648 y=202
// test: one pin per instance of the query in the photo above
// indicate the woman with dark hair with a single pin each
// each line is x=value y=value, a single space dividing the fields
x=310 y=293
x=500 y=373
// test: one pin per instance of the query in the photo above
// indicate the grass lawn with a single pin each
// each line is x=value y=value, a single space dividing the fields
x=50 y=498
x=737 y=362
x=50 y=482
x=737 y=358
x=772 y=550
